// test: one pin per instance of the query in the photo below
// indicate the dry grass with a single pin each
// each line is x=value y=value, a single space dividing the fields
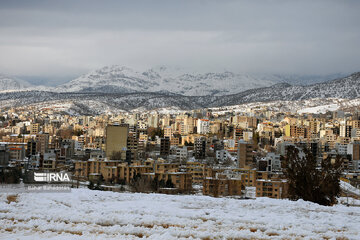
x=253 y=229
x=272 y=234
x=11 y=198
x=139 y=235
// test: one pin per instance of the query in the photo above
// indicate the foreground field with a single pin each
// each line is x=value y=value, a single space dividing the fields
x=85 y=214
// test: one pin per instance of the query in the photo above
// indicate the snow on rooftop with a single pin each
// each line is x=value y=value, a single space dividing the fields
x=12 y=143
x=86 y=214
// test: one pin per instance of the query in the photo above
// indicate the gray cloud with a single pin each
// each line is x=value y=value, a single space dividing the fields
x=57 y=39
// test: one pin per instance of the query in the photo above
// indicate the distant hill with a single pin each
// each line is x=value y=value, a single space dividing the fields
x=118 y=79
x=346 y=87
x=12 y=84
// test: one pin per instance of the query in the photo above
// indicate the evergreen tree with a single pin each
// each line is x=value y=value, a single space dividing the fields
x=155 y=184
x=162 y=183
x=309 y=182
x=169 y=183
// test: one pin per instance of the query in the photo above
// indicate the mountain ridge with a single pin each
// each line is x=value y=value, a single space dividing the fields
x=162 y=79
x=8 y=83
x=123 y=79
x=344 y=88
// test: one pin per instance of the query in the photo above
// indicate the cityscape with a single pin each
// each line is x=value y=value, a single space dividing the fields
x=94 y=149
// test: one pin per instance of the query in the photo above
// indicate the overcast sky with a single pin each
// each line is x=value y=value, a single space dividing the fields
x=63 y=39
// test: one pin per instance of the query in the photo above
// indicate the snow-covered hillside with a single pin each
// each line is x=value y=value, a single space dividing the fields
x=347 y=88
x=98 y=103
x=86 y=214
x=337 y=94
x=315 y=105
x=12 y=84
x=161 y=79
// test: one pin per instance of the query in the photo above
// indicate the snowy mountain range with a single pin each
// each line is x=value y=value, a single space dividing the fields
x=162 y=79
x=342 y=88
x=119 y=79
x=95 y=102
x=123 y=89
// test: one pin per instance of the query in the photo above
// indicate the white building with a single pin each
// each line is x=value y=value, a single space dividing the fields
x=203 y=126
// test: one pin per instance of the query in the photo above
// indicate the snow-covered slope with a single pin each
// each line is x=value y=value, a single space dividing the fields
x=347 y=88
x=12 y=84
x=86 y=214
x=316 y=105
x=162 y=79
x=116 y=101
x=117 y=79
x=296 y=79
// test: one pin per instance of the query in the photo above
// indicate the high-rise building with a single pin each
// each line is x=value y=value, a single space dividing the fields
x=42 y=143
x=132 y=144
x=4 y=156
x=116 y=139
x=34 y=128
x=200 y=148
x=31 y=148
x=245 y=154
x=168 y=132
x=203 y=126
x=164 y=147
x=345 y=130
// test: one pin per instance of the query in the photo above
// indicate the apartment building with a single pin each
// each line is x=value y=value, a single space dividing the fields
x=34 y=128
x=272 y=188
x=42 y=143
x=271 y=185
x=203 y=126
x=245 y=154
x=222 y=186
x=200 y=148
x=197 y=170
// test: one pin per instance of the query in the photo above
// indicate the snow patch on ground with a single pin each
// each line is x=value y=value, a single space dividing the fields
x=86 y=214
x=348 y=187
